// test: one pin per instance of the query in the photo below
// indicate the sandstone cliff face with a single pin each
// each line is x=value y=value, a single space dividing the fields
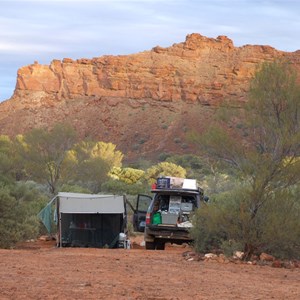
x=145 y=102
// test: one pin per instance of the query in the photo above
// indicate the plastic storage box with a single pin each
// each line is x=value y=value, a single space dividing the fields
x=163 y=183
x=169 y=218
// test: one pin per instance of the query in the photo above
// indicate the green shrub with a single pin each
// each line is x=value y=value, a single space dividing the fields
x=120 y=187
x=227 y=224
x=19 y=206
x=228 y=247
x=281 y=225
x=177 y=140
x=74 y=188
x=163 y=156
x=142 y=141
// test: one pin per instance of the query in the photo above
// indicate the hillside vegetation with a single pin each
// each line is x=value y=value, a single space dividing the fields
x=247 y=160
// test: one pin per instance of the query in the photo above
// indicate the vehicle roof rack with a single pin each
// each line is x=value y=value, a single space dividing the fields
x=177 y=183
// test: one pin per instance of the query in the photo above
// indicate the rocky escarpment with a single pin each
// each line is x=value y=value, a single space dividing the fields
x=145 y=102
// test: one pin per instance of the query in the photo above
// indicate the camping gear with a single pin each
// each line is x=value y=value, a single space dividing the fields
x=156 y=219
x=123 y=241
x=163 y=182
x=169 y=218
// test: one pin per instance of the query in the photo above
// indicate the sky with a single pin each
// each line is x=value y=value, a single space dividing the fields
x=45 y=30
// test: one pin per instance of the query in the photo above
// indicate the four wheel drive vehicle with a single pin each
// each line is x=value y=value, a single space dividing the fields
x=168 y=218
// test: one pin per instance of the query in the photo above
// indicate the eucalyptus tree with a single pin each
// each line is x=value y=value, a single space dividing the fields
x=261 y=146
x=89 y=162
x=44 y=152
x=164 y=169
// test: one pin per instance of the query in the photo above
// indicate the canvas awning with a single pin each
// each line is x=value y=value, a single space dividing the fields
x=90 y=203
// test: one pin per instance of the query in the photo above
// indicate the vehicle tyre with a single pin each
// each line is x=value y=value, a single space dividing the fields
x=150 y=246
x=160 y=246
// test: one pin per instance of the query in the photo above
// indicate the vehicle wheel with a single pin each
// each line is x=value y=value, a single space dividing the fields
x=150 y=246
x=160 y=246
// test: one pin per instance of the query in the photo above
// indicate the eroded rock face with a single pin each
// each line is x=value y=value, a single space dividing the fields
x=199 y=69
x=145 y=102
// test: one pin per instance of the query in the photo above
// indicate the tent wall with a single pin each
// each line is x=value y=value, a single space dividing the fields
x=91 y=230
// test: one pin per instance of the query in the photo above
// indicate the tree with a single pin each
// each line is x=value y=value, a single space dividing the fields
x=108 y=152
x=120 y=187
x=5 y=150
x=44 y=152
x=164 y=169
x=89 y=163
x=193 y=164
x=127 y=175
x=266 y=158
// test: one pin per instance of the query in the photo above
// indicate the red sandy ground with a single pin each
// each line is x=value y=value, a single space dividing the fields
x=41 y=271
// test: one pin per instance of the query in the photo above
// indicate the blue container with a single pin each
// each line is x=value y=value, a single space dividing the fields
x=163 y=183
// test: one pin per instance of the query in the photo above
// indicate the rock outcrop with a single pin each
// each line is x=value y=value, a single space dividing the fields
x=145 y=102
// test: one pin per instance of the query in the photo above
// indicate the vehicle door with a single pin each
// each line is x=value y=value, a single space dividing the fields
x=139 y=215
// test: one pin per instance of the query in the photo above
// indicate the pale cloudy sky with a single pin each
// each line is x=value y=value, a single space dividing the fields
x=45 y=30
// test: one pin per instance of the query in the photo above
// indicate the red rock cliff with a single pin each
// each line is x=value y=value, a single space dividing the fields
x=145 y=102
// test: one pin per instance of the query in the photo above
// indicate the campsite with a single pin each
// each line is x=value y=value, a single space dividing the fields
x=40 y=270
x=93 y=255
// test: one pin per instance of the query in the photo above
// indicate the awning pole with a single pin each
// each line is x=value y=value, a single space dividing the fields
x=60 y=239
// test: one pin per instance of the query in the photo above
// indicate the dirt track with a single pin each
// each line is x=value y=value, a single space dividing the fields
x=46 y=272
